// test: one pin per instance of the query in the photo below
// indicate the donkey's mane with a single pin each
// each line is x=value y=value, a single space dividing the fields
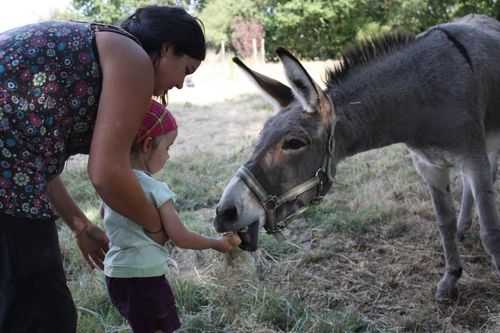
x=364 y=53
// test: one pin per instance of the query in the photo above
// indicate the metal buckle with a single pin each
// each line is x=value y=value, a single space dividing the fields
x=317 y=200
x=321 y=175
x=270 y=203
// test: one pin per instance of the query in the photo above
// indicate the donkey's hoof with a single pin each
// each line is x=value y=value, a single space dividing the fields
x=446 y=295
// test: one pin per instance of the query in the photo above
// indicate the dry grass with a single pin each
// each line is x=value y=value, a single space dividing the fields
x=386 y=275
x=371 y=249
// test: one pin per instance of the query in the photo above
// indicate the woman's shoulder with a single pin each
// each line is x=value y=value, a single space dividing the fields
x=113 y=39
x=99 y=27
x=120 y=52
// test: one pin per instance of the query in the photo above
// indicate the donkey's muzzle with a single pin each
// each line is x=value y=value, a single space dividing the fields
x=225 y=218
x=226 y=221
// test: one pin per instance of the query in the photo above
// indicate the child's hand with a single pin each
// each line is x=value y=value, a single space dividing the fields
x=228 y=242
x=234 y=239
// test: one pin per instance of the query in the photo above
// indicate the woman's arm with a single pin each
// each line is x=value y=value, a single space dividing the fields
x=91 y=240
x=127 y=89
x=187 y=239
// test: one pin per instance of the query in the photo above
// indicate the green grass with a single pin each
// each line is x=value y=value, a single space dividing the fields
x=205 y=307
x=191 y=297
x=321 y=280
x=198 y=180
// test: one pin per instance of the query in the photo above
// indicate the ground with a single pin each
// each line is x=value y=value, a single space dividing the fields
x=385 y=275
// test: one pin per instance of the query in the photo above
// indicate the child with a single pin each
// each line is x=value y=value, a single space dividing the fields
x=135 y=264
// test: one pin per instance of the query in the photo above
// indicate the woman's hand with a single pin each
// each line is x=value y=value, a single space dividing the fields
x=93 y=244
x=91 y=240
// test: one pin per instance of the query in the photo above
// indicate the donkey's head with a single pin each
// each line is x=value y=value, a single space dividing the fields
x=291 y=164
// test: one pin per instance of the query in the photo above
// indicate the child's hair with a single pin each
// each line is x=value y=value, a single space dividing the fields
x=156 y=25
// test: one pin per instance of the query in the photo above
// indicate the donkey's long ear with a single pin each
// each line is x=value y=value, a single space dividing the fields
x=310 y=95
x=279 y=94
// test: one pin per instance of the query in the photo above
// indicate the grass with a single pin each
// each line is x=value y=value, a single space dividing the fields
x=205 y=305
x=199 y=180
x=365 y=260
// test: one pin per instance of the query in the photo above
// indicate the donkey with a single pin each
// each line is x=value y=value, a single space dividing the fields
x=437 y=92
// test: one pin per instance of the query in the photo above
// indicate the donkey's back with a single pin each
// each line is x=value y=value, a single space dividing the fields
x=482 y=23
x=458 y=77
x=480 y=36
x=478 y=39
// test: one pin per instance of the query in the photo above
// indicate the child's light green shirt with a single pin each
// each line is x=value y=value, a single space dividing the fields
x=131 y=252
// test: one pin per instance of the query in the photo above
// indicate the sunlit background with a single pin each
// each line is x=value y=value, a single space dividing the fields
x=15 y=13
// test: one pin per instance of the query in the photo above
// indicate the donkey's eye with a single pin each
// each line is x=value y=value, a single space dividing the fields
x=293 y=144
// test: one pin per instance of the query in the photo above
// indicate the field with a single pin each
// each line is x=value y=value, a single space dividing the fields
x=366 y=260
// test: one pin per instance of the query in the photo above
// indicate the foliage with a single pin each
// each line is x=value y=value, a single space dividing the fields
x=310 y=29
x=322 y=28
x=371 y=29
x=216 y=16
x=114 y=11
x=487 y=7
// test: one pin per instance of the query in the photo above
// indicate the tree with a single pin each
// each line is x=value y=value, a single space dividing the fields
x=311 y=29
x=217 y=17
x=114 y=11
x=418 y=15
x=487 y=7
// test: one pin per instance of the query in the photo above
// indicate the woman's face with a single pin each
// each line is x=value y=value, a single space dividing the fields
x=171 y=69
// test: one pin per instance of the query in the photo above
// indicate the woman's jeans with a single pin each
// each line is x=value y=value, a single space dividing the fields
x=34 y=296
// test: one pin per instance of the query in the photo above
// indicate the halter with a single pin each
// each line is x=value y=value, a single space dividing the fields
x=271 y=203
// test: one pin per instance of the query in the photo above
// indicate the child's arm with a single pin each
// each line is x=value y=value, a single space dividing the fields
x=182 y=237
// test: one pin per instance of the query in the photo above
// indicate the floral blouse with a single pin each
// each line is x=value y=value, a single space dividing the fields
x=50 y=82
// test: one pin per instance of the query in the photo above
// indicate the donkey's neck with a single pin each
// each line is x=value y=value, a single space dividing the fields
x=373 y=114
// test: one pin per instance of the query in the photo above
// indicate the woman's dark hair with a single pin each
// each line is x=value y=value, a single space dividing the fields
x=156 y=25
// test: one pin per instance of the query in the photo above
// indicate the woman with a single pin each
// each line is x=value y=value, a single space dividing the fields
x=68 y=88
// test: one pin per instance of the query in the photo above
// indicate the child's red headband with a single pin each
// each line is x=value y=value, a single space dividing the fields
x=157 y=121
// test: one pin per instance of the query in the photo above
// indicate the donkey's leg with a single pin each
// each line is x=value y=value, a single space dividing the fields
x=493 y=159
x=465 y=217
x=479 y=175
x=437 y=179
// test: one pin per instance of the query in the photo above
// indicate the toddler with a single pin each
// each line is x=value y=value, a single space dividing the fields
x=135 y=265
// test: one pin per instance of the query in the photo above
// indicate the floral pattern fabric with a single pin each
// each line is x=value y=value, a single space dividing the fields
x=50 y=82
